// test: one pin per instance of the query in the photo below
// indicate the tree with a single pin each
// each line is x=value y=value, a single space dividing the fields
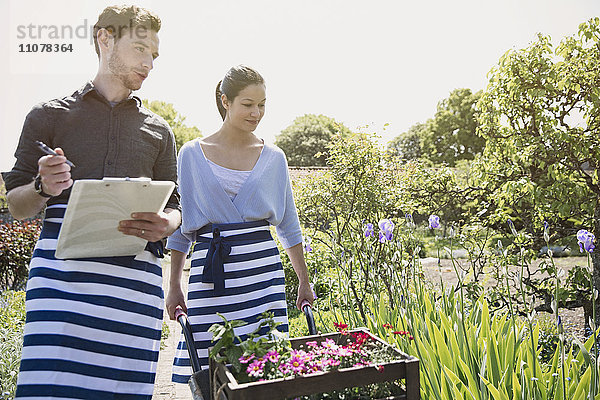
x=451 y=135
x=448 y=137
x=182 y=132
x=407 y=145
x=305 y=141
x=540 y=117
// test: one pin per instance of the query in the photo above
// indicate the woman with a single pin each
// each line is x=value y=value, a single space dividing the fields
x=233 y=186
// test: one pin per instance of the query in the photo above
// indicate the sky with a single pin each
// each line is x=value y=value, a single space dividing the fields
x=376 y=65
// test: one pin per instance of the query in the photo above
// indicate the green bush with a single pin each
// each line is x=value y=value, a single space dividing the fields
x=3 y=202
x=17 y=241
x=320 y=267
x=12 y=320
x=323 y=321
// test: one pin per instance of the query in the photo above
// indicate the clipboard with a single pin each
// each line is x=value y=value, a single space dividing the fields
x=95 y=207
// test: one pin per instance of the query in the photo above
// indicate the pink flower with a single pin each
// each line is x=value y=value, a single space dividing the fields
x=246 y=359
x=345 y=352
x=255 y=369
x=312 y=344
x=272 y=356
x=296 y=363
x=315 y=366
x=284 y=368
x=329 y=344
x=332 y=362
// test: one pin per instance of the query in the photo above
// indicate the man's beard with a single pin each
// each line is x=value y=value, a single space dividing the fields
x=122 y=72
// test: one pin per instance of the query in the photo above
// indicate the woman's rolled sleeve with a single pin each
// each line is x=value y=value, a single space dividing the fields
x=178 y=241
x=288 y=230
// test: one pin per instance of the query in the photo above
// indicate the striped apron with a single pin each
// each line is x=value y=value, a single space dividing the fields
x=93 y=326
x=235 y=271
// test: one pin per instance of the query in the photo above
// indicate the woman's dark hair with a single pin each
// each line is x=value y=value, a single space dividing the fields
x=236 y=80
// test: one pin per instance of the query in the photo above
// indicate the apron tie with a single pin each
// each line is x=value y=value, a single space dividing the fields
x=214 y=271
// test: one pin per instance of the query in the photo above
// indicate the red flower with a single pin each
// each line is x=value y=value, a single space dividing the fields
x=388 y=326
x=342 y=328
x=359 y=339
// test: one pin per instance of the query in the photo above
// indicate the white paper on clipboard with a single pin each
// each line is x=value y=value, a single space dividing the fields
x=95 y=207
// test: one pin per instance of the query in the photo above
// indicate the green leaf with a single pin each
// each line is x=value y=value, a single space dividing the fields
x=496 y=394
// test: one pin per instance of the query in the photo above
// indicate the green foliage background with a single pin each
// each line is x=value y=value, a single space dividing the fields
x=182 y=132
x=448 y=137
x=12 y=320
x=305 y=142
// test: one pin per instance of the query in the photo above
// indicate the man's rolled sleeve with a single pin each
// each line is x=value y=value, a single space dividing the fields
x=38 y=126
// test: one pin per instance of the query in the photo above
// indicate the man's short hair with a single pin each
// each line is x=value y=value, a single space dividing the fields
x=121 y=19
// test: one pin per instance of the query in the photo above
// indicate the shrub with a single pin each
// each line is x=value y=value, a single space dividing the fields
x=12 y=320
x=17 y=242
x=3 y=202
x=320 y=267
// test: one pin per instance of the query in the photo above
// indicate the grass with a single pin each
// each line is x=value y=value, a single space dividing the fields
x=164 y=334
x=12 y=321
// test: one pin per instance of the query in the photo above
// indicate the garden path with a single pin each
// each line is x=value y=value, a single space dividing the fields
x=164 y=389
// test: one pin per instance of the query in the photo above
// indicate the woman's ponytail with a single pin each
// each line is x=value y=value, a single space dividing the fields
x=220 y=107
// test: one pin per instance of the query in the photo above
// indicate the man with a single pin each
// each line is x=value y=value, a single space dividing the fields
x=94 y=325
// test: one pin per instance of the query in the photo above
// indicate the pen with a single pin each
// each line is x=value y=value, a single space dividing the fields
x=48 y=150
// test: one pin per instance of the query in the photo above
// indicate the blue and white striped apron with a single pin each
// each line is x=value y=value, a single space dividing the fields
x=93 y=326
x=244 y=277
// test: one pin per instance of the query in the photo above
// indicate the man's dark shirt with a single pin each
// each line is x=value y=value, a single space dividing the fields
x=126 y=140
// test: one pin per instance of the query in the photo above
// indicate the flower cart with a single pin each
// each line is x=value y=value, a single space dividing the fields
x=398 y=367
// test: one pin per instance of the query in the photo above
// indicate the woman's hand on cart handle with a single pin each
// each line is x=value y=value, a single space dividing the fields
x=305 y=293
x=305 y=303
x=175 y=299
x=179 y=312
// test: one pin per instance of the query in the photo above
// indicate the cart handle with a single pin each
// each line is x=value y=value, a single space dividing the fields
x=181 y=317
x=310 y=319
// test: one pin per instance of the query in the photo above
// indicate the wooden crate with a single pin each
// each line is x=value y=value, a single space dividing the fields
x=405 y=367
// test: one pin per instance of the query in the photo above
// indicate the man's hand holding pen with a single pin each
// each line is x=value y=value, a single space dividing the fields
x=55 y=173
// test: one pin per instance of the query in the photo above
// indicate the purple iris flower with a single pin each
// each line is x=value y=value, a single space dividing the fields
x=312 y=287
x=307 y=246
x=586 y=241
x=434 y=221
x=369 y=230
x=386 y=227
x=512 y=227
x=409 y=220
